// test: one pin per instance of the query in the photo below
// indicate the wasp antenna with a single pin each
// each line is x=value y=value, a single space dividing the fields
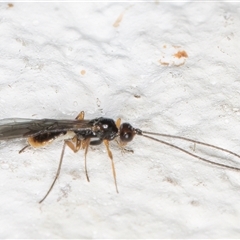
x=191 y=154
x=193 y=141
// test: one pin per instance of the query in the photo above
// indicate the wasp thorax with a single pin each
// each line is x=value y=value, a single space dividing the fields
x=126 y=132
x=108 y=128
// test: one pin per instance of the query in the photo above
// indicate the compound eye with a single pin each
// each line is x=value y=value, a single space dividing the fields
x=126 y=132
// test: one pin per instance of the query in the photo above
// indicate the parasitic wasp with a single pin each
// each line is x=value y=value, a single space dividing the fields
x=80 y=133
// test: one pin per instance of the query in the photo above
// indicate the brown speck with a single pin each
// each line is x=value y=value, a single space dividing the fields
x=119 y=19
x=83 y=72
x=137 y=96
x=10 y=5
x=172 y=55
x=181 y=54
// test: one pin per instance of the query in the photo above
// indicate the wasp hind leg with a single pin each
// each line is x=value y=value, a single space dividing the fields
x=57 y=174
x=23 y=149
x=75 y=145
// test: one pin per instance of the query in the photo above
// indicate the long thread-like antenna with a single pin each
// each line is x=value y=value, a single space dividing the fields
x=189 y=153
x=193 y=141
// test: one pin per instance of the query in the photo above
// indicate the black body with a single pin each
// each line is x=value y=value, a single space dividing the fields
x=47 y=129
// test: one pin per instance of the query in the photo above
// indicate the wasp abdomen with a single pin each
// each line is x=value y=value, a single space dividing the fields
x=44 y=139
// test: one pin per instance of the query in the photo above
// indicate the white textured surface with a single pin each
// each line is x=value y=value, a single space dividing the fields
x=163 y=193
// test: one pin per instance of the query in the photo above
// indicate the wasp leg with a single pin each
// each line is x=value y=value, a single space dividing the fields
x=118 y=123
x=106 y=142
x=85 y=145
x=58 y=172
x=80 y=116
x=123 y=148
x=76 y=144
x=23 y=149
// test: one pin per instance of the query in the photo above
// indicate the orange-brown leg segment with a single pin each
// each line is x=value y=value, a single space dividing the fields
x=82 y=145
x=76 y=144
x=106 y=142
x=80 y=116
x=118 y=123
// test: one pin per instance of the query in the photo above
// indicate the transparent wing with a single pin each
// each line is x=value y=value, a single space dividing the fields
x=22 y=127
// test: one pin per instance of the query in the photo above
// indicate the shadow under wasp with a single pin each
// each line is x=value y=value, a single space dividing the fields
x=80 y=133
